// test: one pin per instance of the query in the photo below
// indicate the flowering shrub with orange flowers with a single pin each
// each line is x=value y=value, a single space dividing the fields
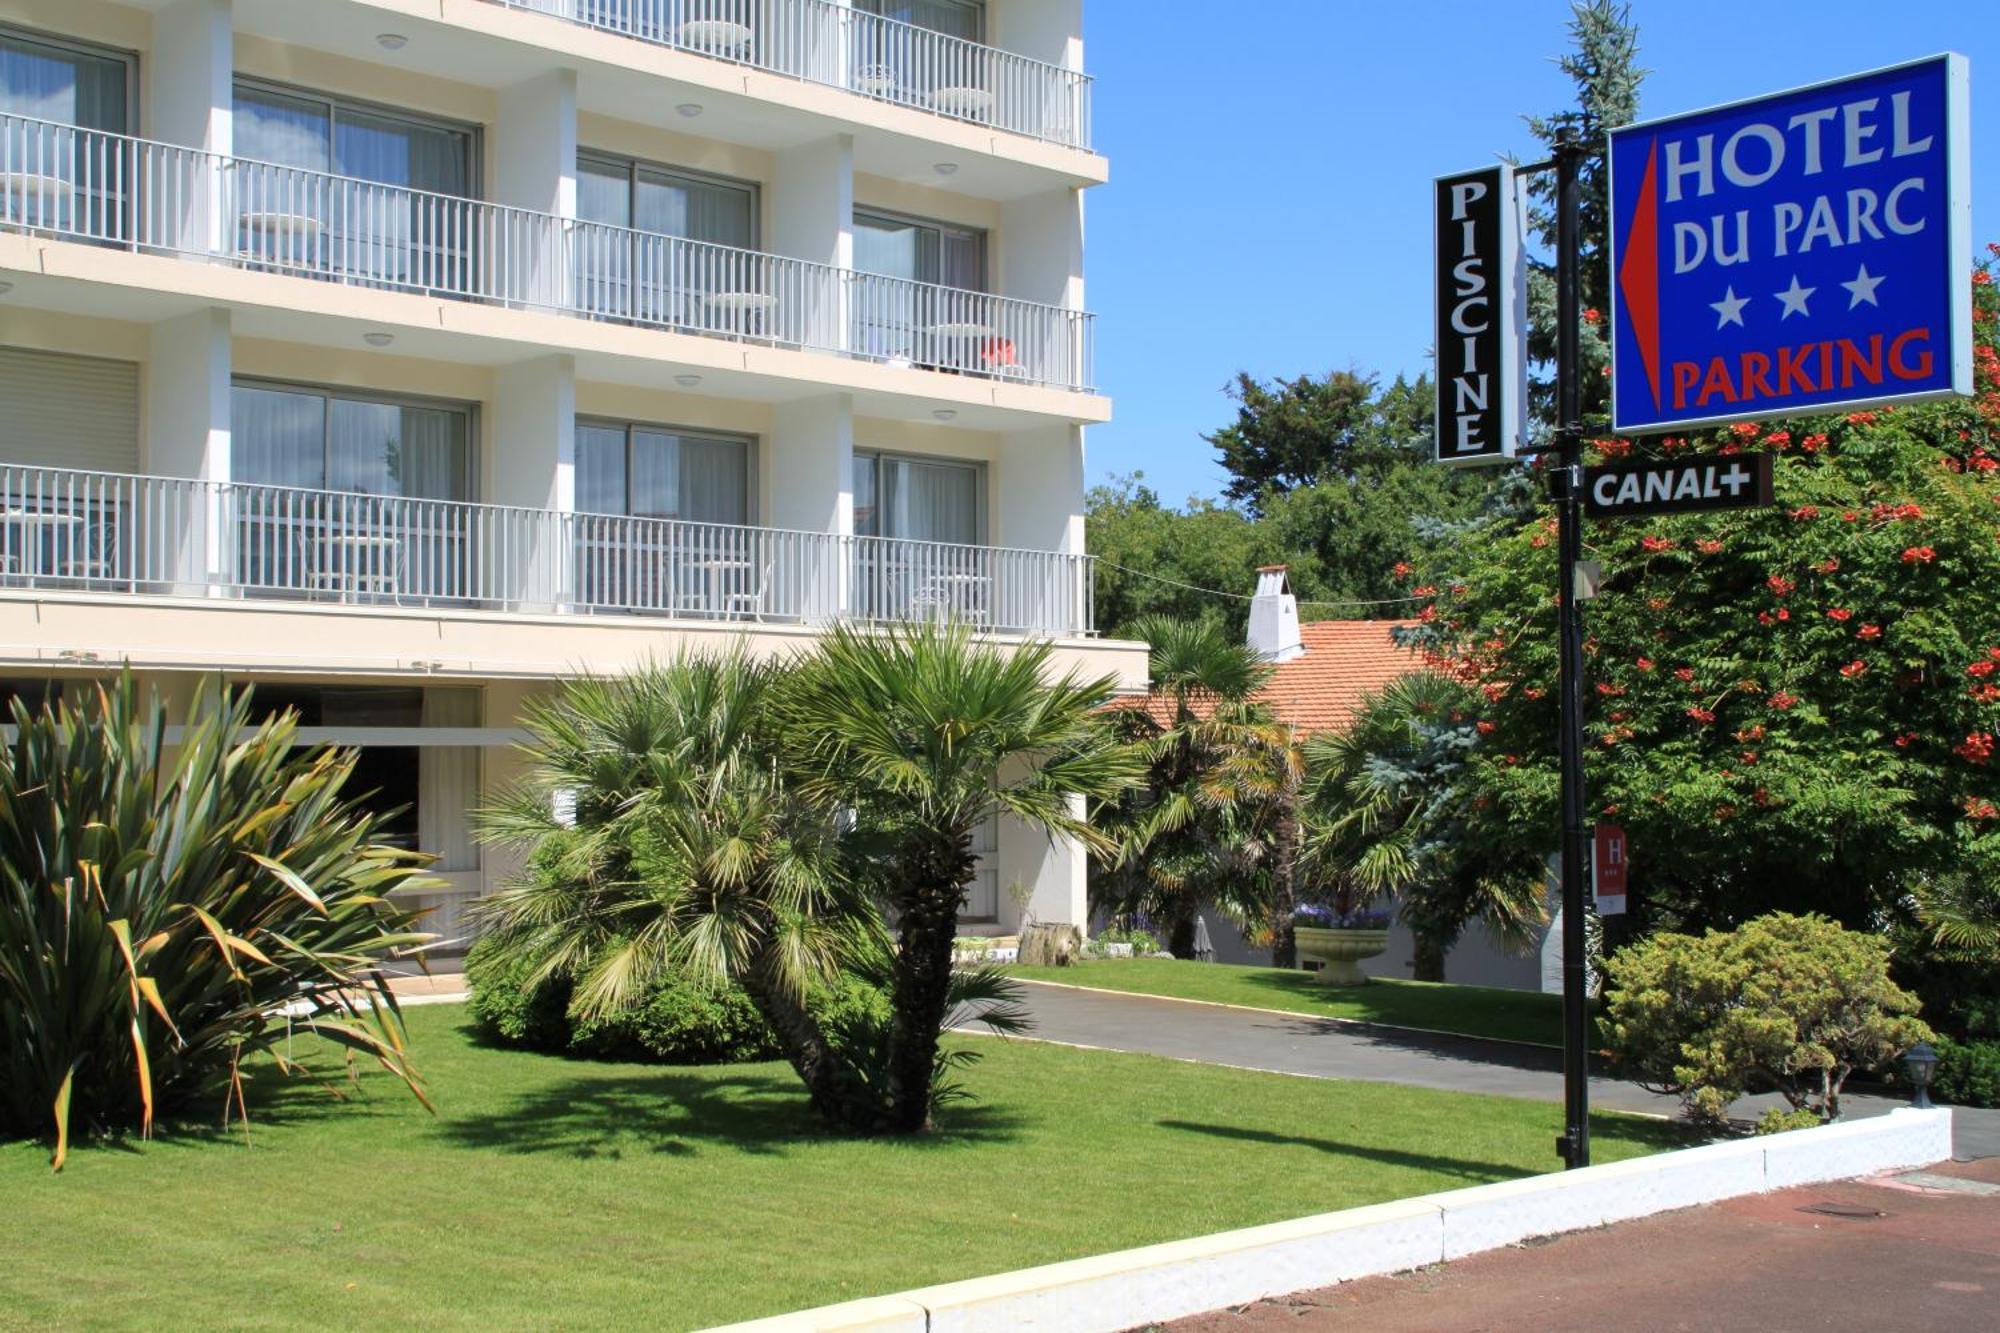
x=1793 y=708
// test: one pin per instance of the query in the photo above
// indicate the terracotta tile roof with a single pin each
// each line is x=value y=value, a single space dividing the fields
x=1320 y=689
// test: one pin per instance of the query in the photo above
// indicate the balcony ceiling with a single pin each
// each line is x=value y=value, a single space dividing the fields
x=316 y=314
x=488 y=52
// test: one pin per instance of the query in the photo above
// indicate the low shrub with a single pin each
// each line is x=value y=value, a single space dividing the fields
x=1779 y=1120
x=1968 y=1072
x=678 y=1021
x=1792 y=1003
x=511 y=1011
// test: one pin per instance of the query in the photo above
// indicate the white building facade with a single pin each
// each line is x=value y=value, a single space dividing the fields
x=404 y=357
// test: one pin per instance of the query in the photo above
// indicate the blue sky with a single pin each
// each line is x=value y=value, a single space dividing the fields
x=1268 y=204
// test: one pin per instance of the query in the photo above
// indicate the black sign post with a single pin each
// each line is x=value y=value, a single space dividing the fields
x=1569 y=156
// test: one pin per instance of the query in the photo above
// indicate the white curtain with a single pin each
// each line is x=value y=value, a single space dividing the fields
x=448 y=781
x=932 y=502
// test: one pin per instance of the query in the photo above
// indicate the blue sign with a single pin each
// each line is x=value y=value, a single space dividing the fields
x=1793 y=254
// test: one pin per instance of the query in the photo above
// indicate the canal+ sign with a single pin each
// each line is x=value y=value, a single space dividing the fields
x=1794 y=253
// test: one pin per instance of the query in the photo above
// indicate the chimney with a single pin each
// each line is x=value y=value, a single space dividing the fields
x=1274 y=617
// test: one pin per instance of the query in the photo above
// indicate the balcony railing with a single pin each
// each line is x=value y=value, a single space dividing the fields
x=110 y=532
x=118 y=190
x=822 y=42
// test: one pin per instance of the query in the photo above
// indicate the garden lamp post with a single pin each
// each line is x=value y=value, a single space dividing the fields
x=1920 y=1062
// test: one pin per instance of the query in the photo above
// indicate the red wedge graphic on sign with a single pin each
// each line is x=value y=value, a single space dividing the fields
x=1639 y=272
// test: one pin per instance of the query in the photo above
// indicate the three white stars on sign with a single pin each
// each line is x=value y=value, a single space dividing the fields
x=1729 y=310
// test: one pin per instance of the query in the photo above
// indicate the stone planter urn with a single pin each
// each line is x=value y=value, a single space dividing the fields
x=1341 y=951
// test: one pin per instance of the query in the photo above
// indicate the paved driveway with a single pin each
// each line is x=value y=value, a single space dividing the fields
x=1324 y=1048
x=1920 y=1251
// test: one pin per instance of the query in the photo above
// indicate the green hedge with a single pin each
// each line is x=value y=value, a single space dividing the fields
x=678 y=1021
x=1968 y=1072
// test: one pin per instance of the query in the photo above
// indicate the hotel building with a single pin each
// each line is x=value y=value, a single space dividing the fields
x=403 y=357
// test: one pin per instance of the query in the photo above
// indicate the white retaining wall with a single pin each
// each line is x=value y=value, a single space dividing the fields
x=1108 y=1292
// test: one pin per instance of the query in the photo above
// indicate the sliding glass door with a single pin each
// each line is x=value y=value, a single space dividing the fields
x=902 y=62
x=704 y=561
x=341 y=494
x=50 y=174
x=633 y=267
x=328 y=189
x=919 y=319
x=929 y=515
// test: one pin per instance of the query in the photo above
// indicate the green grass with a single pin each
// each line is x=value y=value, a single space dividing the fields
x=1476 y=1011
x=550 y=1192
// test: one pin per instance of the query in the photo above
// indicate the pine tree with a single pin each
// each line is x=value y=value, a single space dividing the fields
x=1607 y=77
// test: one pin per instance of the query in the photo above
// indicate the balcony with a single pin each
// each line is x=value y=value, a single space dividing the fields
x=833 y=45
x=63 y=530
x=159 y=198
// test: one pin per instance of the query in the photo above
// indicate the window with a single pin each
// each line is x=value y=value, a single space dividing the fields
x=933 y=252
x=70 y=85
x=637 y=274
x=656 y=472
x=919 y=499
x=317 y=439
x=954 y=18
x=623 y=193
x=332 y=200
x=316 y=133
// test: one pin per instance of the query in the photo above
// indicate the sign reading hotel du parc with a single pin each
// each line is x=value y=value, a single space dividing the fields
x=1482 y=398
x=1794 y=253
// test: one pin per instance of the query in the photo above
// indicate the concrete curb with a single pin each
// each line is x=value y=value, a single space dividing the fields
x=1109 y=1292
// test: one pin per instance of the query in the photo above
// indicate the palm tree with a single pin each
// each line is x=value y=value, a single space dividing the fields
x=1199 y=828
x=926 y=734
x=664 y=834
x=1388 y=814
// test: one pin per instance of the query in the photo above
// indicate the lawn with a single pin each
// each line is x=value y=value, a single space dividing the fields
x=551 y=1192
x=1476 y=1011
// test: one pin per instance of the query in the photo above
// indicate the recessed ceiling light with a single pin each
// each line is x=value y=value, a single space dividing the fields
x=689 y=109
x=391 y=41
x=378 y=338
x=687 y=381
x=946 y=168
x=945 y=414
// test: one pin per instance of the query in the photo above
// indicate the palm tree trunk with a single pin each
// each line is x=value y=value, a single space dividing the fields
x=1427 y=962
x=934 y=881
x=1285 y=883
x=1180 y=935
x=835 y=1093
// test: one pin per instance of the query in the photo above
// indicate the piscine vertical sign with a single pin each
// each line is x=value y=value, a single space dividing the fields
x=1482 y=405
x=1794 y=253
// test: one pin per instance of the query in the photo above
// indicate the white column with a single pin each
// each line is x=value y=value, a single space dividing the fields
x=1049 y=31
x=187 y=436
x=533 y=440
x=1041 y=259
x=190 y=101
x=534 y=139
x=1037 y=482
x=809 y=461
x=1042 y=879
x=812 y=218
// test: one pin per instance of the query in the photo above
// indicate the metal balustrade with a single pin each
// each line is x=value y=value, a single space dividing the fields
x=117 y=190
x=820 y=41
x=109 y=532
